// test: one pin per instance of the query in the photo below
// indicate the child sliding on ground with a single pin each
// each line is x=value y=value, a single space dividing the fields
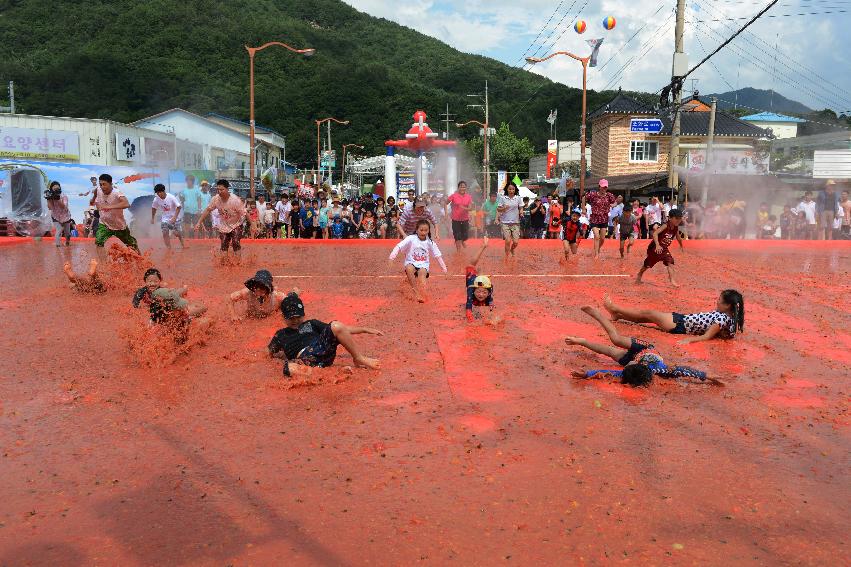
x=639 y=359
x=728 y=317
x=657 y=251
x=167 y=306
x=314 y=343
x=419 y=247
x=479 y=291
x=90 y=283
x=259 y=295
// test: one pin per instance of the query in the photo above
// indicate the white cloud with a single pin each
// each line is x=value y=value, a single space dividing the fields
x=811 y=66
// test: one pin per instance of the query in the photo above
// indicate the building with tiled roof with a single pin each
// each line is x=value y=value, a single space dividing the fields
x=618 y=151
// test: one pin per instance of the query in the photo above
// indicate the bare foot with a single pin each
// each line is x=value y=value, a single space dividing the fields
x=67 y=269
x=300 y=370
x=674 y=284
x=590 y=310
x=574 y=340
x=638 y=281
x=93 y=267
x=347 y=370
x=366 y=362
x=611 y=308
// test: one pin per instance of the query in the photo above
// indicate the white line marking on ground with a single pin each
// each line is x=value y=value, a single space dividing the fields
x=399 y=277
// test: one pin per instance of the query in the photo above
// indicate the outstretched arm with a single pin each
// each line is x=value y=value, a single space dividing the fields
x=710 y=334
x=240 y=295
x=678 y=372
x=480 y=252
x=442 y=263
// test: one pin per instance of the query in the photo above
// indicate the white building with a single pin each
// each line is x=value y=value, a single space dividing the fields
x=781 y=126
x=221 y=149
x=84 y=141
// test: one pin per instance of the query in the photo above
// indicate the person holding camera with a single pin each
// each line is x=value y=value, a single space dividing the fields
x=60 y=214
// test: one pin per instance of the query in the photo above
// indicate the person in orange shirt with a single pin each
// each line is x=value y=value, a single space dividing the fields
x=478 y=222
x=554 y=227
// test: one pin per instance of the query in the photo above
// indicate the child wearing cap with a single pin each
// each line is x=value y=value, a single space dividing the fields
x=259 y=295
x=419 y=248
x=572 y=234
x=313 y=343
x=479 y=288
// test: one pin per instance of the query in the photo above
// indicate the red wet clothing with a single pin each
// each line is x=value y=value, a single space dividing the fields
x=571 y=231
x=666 y=237
x=600 y=203
x=471 y=296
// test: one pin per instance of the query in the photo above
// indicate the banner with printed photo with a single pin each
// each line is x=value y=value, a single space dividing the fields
x=136 y=183
x=501 y=180
x=729 y=162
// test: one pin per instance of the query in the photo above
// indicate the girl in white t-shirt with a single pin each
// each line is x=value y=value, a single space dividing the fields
x=419 y=248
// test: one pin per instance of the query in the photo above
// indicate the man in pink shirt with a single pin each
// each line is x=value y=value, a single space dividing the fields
x=111 y=204
x=231 y=211
x=461 y=203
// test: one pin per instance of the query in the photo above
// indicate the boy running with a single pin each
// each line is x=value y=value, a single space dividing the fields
x=657 y=251
x=111 y=204
x=231 y=216
x=170 y=219
x=627 y=228
x=572 y=234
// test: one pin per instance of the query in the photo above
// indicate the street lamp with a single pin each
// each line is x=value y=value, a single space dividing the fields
x=318 y=152
x=343 y=173
x=251 y=51
x=485 y=162
x=584 y=61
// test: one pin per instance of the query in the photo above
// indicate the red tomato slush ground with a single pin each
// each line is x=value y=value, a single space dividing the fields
x=472 y=445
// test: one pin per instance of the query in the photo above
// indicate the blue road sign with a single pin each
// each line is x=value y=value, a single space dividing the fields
x=650 y=125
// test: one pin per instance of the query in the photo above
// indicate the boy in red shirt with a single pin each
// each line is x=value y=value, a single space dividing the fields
x=572 y=234
x=658 y=250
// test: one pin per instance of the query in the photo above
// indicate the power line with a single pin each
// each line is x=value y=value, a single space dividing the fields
x=765 y=45
x=773 y=16
x=546 y=24
x=728 y=40
x=831 y=99
x=616 y=53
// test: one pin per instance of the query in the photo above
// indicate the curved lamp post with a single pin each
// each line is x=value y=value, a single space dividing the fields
x=251 y=51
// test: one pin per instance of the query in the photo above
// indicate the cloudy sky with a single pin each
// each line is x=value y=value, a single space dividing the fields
x=811 y=63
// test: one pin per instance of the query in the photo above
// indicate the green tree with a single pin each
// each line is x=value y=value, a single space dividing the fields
x=507 y=150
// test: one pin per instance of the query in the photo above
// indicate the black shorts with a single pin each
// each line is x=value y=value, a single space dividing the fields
x=461 y=230
x=680 y=324
x=636 y=346
x=627 y=236
x=322 y=351
x=603 y=225
x=417 y=272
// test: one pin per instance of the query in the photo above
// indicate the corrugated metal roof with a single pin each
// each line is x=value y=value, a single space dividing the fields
x=771 y=117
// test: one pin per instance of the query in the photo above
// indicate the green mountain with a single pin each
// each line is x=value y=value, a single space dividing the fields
x=125 y=59
x=759 y=98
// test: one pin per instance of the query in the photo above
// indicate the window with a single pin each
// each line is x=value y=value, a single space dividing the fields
x=642 y=150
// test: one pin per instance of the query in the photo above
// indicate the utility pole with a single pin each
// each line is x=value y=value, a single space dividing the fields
x=447 y=118
x=678 y=70
x=486 y=149
x=12 y=97
x=710 y=140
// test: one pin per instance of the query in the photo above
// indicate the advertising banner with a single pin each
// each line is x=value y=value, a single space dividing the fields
x=729 y=162
x=552 y=157
x=501 y=180
x=34 y=143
